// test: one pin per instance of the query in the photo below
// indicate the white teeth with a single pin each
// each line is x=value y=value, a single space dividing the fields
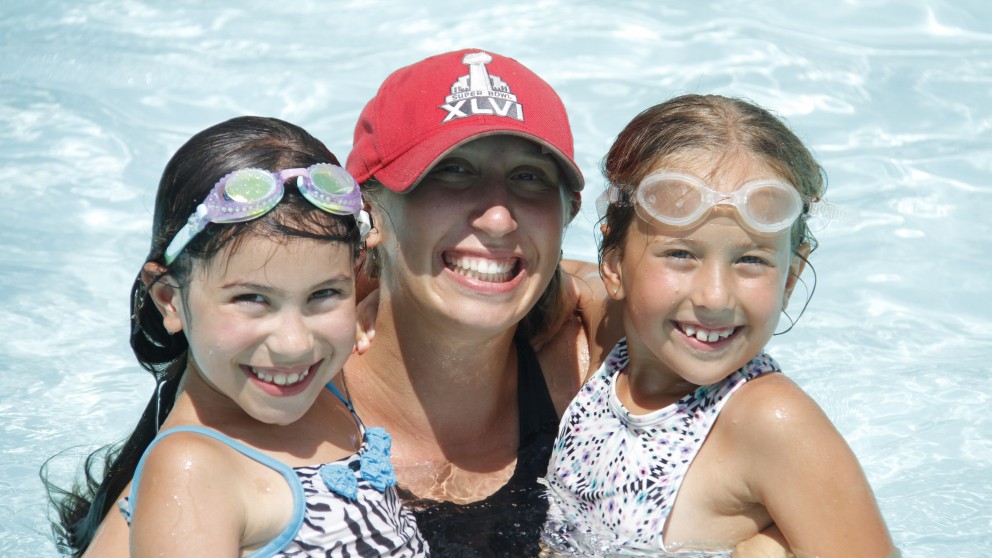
x=280 y=379
x=707 y=336
x=494 y=271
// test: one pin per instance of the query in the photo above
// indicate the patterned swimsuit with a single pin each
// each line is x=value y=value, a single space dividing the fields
x=345 y=508
x=614 y=476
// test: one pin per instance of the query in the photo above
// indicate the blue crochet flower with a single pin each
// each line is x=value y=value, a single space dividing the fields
x=378 y=439
x=340 y=480
x=376 y=467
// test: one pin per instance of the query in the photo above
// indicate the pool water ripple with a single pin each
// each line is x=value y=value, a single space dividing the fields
x=895 y=99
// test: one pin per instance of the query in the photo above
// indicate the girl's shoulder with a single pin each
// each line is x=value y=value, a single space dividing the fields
x=198 y=473
x=771 y=406
x=773 y=421
x=187 y=444
x=188 y=462
x=798 y=466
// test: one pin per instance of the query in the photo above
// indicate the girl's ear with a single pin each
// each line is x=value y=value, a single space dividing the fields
x=612 y=272
x=795 y=270
x=164 y=295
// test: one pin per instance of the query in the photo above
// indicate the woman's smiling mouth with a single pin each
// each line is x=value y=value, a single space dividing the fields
x=498 y=270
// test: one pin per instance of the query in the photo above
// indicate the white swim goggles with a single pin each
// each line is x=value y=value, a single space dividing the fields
x=248 y=194
x=679 y=200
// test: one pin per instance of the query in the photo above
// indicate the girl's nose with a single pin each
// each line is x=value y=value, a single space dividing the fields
x=711 y=289
x=291 y=340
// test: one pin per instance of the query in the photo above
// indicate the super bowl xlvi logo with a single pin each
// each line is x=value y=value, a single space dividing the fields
x=479 y=93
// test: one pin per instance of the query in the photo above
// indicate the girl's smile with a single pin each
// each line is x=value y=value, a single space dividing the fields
x=708 y=338
x=282 y=382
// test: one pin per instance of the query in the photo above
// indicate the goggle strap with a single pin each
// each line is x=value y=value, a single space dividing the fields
x=612 y=195
x=832 y=212
x=364 y=223
x=617 y=194
x=194 y=226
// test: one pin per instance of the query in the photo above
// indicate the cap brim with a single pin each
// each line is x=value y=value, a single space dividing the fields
x=407 y=170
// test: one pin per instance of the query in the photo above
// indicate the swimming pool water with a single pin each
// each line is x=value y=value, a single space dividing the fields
x=894 y=97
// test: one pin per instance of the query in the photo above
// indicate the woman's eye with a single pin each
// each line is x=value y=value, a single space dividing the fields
x=533 y=183
x=451 y=174
x=450 y=167
x=453 y=168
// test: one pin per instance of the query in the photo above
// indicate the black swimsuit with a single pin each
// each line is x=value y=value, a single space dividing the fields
x=509 y=522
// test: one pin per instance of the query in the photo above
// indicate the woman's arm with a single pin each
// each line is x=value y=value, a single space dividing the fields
x=601 y=316
x=805 y=474
x=769 y=543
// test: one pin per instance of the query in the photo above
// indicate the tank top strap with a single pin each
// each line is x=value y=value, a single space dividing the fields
x=511 y=518
x=536 y=409
x=287 y=472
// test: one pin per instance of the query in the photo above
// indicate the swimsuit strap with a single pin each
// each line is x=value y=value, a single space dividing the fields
x=536 y=409
x=347 y=403
x=299 y=506
x=509 y=521
x=334 y=390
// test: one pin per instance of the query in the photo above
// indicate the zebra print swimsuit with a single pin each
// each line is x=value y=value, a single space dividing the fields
x=345 y=508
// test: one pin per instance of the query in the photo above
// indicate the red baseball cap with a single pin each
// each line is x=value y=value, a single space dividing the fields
x=423 y=111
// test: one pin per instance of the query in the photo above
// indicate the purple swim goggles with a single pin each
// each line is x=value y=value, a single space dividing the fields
x=248 y=194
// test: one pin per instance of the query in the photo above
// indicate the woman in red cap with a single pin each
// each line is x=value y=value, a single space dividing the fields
x=466 y=160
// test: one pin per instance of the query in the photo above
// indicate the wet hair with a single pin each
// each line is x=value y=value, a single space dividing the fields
x=552 y=301
x=239 y=143
x=685 y=128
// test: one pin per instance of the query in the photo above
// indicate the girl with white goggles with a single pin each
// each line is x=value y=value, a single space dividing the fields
x=248 y=194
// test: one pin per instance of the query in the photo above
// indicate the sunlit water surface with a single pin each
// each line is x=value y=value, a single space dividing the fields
x=894 y=97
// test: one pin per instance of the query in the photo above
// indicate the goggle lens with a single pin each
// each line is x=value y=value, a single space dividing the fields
x=328 y=182
x=772 y=205
x=672 y=201
x=249 y=185
x=680 y=201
